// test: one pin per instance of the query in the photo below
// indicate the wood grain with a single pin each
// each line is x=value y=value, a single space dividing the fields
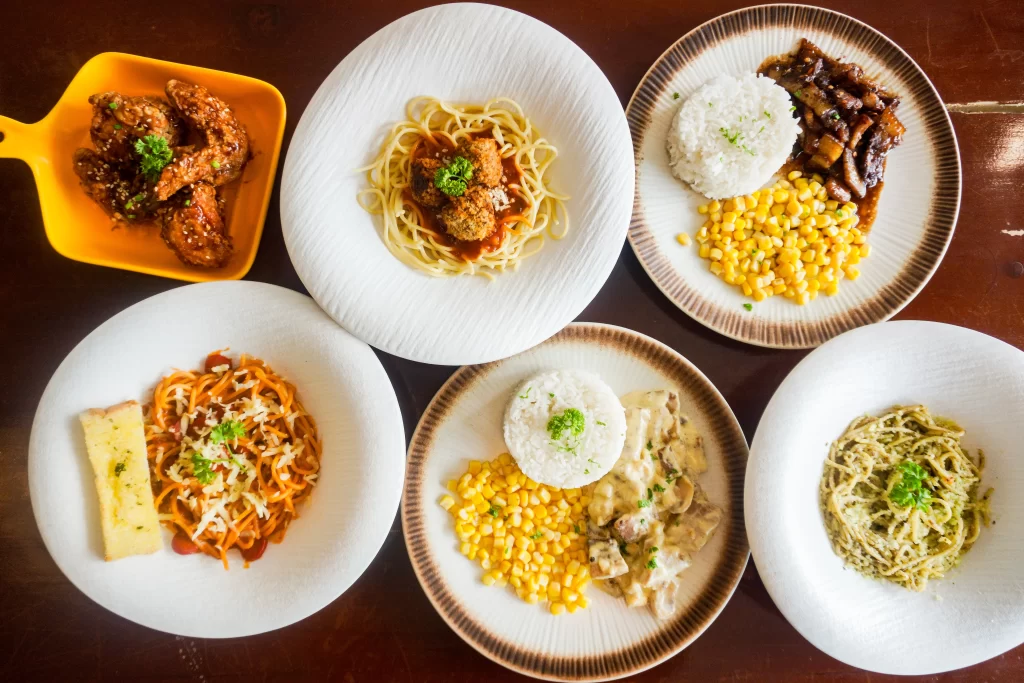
x=384 y=629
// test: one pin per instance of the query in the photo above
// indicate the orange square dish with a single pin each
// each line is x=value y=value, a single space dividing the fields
x=79 y=229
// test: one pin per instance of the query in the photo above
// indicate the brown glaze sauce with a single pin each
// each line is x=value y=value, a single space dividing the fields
x=867 y=207
x=440 y=146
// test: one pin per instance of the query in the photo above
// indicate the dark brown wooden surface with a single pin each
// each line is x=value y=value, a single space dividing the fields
x=383 y=628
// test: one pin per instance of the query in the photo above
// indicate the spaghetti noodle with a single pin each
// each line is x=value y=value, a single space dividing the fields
x=533 y=213
x=232 y=454
x=900 y=496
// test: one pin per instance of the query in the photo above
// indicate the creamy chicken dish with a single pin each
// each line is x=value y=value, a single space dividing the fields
x=648 y=515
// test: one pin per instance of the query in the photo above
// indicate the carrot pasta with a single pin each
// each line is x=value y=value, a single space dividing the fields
x=232 y=454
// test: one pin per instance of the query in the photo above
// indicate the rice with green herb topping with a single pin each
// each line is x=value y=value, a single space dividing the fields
x=565 y=428
x=732 y=135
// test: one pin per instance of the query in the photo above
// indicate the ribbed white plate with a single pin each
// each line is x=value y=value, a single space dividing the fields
x=916 y=212
x=608 y=639
x=977 y=610
x=460 y=53
x=340 y=529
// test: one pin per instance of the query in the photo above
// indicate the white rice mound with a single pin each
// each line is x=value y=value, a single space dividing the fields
x=573 y=460
x=731 y=135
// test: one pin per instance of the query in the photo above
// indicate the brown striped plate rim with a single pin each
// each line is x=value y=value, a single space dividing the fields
x=672 y=636
x=940 y=223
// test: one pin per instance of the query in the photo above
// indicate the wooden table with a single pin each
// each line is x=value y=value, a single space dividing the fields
x=384 y=629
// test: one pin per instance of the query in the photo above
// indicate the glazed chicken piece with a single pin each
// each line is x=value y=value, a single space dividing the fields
x=115 y=187
x=192 y=225
x=118 y=121
x=224 y=151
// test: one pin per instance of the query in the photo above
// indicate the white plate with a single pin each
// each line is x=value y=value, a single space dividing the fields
x=461 y=53
x=340 y=529
x=977 y=611
x=608 y=639
x=916 y=212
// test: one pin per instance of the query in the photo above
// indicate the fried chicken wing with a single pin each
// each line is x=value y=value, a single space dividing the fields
x=115 y=187
x=225 y=144
x=192 y=225
x=118 y=121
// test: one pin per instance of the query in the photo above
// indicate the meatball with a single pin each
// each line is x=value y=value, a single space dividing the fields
x=483 y=154
x=423 y=189
x=471 y=216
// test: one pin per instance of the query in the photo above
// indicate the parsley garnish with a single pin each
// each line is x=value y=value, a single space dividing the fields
x=652 y=564
x=119 y=468
x=798 y=93
x=227 y=431
x=658 y=488
x=793 y=108
x=537 y=535
x=112 y=105
x=650 y=495
x=675 y=96
x=749 y=307
x=650 y=445
x=576 y=528
x=527 y=394
x=622 y=549
x=550 y=395
x=454 y=178
x=767 y=115
x=201 y=468
x=571 y=421
x=835 y=116
x=909 y=491
x=652 y=549
x=586 y=471
x=117 y=126
x=730 y=136
x=643 y=503
x=215 y=163
x=154 y=154
x=493 y=512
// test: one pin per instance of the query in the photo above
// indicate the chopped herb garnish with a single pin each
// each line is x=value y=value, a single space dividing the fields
x=576 y=528
x=139 y=527
x=839 y=213
x=643 y=503
x=154 y=153
x=601 y=423
x=454 y=178
x=131 y=216
x=730 y=136
x=748 y=150
x=622 y=549
x=119 y=468
x=550 y=395
x=117 y=126
x=675 y=96
x=650 y=494
x=835 y=116
x=188 y=202
x=571 y=421
x=527 y=394
x=710 y=105
x=586 y=471
x=537 y=535
x=215 y=163
x=201 y=468
x=652 y=549
x=652 y=564
x=767 y=115
x=910 y=491
x=658 y=488
x=112 y=105
x=749 y=307
x=793 y=108
x=227 y=431
x=650 y=445
x=798 y=93
x=493 y=512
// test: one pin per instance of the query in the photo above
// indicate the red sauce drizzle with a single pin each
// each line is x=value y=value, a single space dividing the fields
x=440 y=146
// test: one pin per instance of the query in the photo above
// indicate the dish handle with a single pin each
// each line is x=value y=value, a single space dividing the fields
x=17 y=139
